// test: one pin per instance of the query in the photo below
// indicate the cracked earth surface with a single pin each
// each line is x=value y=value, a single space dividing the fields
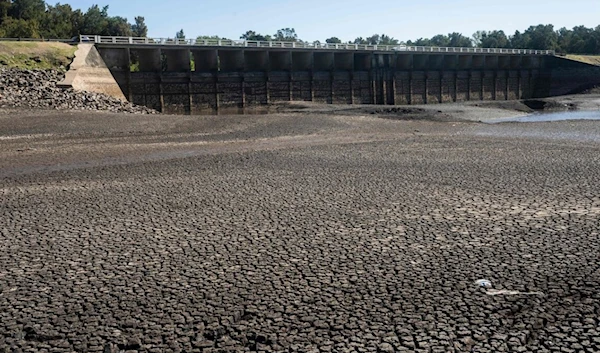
x=296 y=233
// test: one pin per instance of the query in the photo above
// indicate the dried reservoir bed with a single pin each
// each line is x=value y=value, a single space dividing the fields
x=297 y=232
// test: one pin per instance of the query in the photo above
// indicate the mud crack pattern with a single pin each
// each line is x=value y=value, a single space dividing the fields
x=366 y=247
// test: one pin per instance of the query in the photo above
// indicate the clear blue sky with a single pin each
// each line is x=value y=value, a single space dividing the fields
x=348 y=19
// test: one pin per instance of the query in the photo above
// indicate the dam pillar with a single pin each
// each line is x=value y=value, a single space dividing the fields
x=280 y=76
x=464 y=66
x=503 y=62
x=450 y=62
x=149 y=60
x=421 y=62
x=256 y=61
x=301 y=74
x=515 y=62
x=404 y=62
x=116 y=59
x=491 y=67
x=420 y=87
x=324 y=63
x=178 y=60
x=205 y=60
x=491 y=62
x=344 y=61
x=254 y=75
x=503 y=79
x=450 y=81
x=175 y=81
x=344 y=77
x=479 y=65
x=409 y=87
x=231 y=60
x=146 y=81
x=204 y=80
x=465 y=62
x=402 y=69
x=361 y=78
x=230 y=80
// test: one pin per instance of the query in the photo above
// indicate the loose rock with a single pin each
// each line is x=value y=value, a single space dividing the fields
x=37 y=89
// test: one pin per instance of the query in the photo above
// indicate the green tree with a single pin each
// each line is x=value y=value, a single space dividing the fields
x=373 y=40
x=377 y=39
x=27 y=9
x=4 y=9
x=118 y=26
x=520 y=40
x=333 y=40
x=95 y=21
x=252 y=35
x=286 y=35
x=421 y=42
x=478 y=37
x=494 y=39
x=387 y=40
x=19 y=28
x=59 y=21
x=457 y=40
x=139 y=28
x=542 y=37
x=440 y=40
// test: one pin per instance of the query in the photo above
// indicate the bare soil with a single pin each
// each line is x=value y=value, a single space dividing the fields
x=317 y=229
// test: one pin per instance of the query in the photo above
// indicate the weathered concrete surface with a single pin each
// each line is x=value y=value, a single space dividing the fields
x=298 y=232
x=88 y=72
x=569 y=77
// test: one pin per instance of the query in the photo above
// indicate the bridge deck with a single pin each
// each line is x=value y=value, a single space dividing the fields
x=237 y=44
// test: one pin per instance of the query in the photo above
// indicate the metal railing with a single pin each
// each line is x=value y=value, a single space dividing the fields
x=36 y=40
x=302 y=45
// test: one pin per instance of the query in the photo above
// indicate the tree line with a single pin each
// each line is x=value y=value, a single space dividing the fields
x=578 y=40
x=36 y=19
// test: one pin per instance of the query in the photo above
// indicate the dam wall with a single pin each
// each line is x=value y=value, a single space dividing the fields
x=221 y=80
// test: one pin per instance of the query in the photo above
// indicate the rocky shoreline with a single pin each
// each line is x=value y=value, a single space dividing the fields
x=37 y=89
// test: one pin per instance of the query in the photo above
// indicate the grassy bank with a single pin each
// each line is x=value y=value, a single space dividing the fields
x=36 y=55
x=588 y=59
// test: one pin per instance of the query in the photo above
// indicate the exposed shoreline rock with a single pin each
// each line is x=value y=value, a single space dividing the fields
x=37 y=89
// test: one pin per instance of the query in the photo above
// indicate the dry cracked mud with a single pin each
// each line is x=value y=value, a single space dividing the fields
x=296 y=232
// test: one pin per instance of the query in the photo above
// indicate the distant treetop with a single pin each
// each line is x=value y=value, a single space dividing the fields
x=36 y=19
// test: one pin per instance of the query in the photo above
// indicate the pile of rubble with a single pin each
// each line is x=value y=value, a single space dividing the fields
x=38 y=89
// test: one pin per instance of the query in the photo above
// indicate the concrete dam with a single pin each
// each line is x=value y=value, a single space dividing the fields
x=233 y=77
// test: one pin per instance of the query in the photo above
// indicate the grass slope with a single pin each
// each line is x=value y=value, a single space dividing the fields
x=588 y=59
x=36 y=55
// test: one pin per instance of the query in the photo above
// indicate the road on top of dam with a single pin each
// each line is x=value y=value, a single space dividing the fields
x=360 y=230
